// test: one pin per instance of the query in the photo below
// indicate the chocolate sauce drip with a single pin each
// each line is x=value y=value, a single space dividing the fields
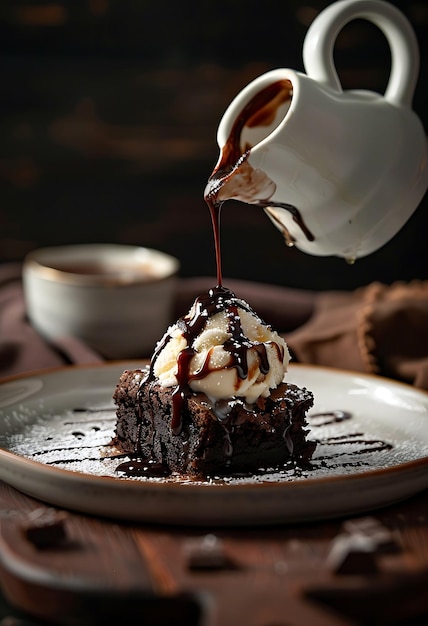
x=377 y=445
x=332 y=417
x=288 y=237
x=259 y=111
x=337 y=416
x=143 y=467
x=215 y=208
x=295 y=213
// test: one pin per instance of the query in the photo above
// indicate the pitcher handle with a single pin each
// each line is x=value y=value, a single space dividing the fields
x=322 y=33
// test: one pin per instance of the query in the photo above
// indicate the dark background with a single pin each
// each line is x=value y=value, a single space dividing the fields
x=108 y=118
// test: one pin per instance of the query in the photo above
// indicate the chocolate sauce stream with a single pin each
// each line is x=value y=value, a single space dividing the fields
x=215 y=208
x=259 y=111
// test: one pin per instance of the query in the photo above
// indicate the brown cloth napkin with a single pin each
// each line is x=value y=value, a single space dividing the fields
x=376 y=329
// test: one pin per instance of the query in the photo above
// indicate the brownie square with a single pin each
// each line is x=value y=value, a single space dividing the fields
x=226 y=437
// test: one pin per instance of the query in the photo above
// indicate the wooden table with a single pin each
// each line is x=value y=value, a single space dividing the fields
x=371 y=569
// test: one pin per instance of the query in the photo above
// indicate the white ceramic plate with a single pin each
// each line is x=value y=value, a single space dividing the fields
x=55 y=428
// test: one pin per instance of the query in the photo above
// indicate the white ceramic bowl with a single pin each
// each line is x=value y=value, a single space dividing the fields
x=117 y=299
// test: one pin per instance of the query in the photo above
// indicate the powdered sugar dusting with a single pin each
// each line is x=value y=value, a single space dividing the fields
x=79 y=440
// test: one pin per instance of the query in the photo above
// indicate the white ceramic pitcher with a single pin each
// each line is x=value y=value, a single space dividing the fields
x=350 y=167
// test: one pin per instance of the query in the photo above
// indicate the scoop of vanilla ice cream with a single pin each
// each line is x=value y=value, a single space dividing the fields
x=219 y=375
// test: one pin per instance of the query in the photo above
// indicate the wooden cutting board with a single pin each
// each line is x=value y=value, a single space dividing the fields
x=94 y=571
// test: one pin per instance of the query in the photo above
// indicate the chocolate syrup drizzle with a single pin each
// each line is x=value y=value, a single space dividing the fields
x=217 y=300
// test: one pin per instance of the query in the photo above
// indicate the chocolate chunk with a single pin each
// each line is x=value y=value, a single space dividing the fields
x=352 y=555
x=45 y=527
x=206 y=553
x=372 y=528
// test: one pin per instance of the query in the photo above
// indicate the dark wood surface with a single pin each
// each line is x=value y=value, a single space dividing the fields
x=267 y=576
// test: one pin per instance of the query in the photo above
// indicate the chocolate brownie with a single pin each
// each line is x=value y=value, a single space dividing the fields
x=224 y=437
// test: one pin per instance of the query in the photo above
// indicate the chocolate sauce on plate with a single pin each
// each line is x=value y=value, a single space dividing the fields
x=143 y=468
x=345 y=447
